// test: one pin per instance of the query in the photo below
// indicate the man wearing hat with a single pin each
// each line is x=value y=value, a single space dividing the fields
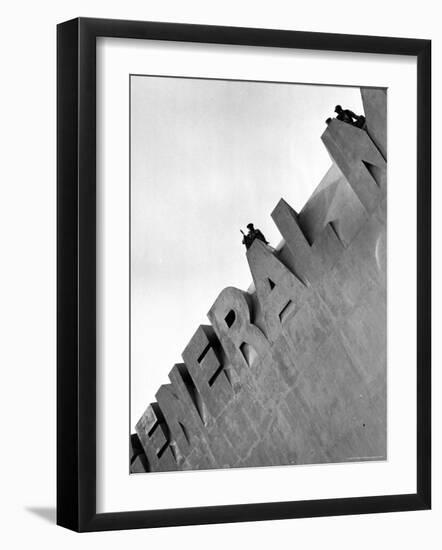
x=345 y=115
x=252 y=235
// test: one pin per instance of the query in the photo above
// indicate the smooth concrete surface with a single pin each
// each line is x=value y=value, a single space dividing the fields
x=375 y=108
x=293 y=372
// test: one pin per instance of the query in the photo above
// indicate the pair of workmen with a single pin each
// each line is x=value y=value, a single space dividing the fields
x=345 y=115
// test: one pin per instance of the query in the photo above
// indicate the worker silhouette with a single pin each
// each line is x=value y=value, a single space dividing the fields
x=252 y=235
x=345 y=115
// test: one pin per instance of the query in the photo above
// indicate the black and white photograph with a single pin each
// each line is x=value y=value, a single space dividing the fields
x=220 y=275
x=258 y=273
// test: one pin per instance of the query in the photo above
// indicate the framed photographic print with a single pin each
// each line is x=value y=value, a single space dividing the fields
x=243 y=274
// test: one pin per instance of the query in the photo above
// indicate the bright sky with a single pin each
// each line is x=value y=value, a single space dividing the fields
x=208 y=157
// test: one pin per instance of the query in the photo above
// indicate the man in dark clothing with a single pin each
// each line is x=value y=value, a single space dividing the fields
x=345 y=115
x=252 y=235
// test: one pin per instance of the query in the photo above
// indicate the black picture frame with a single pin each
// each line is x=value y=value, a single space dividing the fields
x=76 y=273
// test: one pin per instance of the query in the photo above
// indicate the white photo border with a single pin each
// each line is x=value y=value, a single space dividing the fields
x=116 y=489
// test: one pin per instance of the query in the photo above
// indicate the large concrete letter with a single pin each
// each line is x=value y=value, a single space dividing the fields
x=138 y=459
x=359 y=160
x=306 y=266
x=181 y=405
x=154 y=437
x=375 y=107
x=201 y=357
x=279 y=291
x=230 y=317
